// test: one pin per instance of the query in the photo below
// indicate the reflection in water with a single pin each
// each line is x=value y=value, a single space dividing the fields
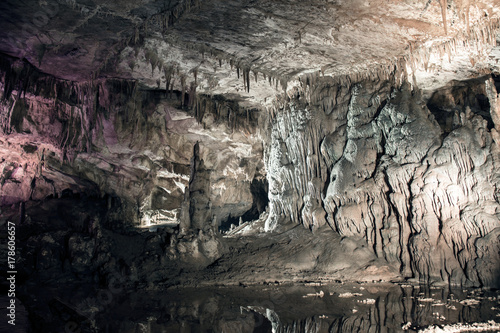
x=270 y=308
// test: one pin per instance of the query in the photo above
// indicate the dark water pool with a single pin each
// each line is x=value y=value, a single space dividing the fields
x=265 y=308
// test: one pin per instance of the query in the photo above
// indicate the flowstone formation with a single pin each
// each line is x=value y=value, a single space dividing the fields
x=381 y=169
x=204 y=142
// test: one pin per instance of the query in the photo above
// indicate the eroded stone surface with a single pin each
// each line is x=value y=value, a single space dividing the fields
x=384 y=172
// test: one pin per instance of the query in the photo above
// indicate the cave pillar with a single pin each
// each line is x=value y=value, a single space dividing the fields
x=196 y=209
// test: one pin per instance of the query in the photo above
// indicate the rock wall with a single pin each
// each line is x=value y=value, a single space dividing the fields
x=158 y=158
x=377 y=165
x=415 y=178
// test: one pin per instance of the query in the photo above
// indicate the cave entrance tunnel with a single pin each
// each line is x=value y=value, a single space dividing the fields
x=447 y=103
x=259 y=189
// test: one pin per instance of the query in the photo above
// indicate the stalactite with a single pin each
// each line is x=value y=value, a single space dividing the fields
x=9 y=116
x=171 y=88
x=248 y=79
x=444 y=7
x=244 y=81
x=168 y=78
x=183 y=87
x=70 y=123
x=192 y=94
x=284 y=84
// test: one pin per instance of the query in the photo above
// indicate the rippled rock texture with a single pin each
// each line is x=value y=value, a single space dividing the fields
x=378 y=166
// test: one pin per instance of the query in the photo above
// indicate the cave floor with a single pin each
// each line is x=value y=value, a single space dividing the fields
x=296 y=255
x=291 y=280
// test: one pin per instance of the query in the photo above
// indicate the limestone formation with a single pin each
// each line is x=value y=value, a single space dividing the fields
x=242 y=142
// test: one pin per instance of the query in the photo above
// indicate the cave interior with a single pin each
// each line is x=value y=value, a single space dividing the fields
x=288 y=151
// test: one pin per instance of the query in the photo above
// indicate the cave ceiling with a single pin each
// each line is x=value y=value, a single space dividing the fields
x=235 y=48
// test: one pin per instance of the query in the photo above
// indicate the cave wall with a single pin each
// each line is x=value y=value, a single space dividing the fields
x=114 y=137
x=377 y=166
x=366 y=158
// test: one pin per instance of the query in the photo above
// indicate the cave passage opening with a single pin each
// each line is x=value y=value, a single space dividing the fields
x=446 y=104
x=259 y=188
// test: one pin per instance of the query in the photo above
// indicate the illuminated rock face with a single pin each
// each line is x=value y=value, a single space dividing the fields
x=383 y=171
x=377 y=167
x=205 y=124
x=132 y=144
